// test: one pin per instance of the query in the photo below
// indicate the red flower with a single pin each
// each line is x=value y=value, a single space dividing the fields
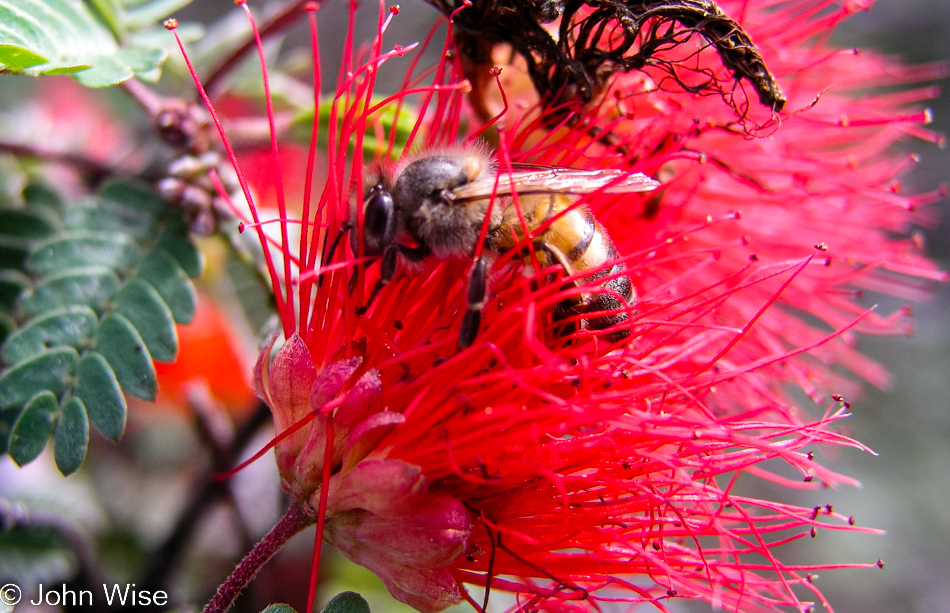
x=571 y=470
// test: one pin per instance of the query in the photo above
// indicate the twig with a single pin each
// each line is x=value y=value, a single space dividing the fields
x=294 y=520
x=87 y=165
x=209 y=491
x=149 y=100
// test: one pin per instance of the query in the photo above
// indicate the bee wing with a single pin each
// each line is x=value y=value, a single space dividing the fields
x=552 y=180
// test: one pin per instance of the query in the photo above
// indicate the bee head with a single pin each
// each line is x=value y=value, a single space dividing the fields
x=429 y=181
x=379 y=221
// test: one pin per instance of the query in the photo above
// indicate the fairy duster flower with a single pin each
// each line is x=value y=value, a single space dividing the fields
x=567 y=467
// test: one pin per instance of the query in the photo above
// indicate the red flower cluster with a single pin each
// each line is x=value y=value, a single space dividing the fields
x=573 y=471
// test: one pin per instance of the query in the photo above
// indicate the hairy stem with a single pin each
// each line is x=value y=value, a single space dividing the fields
x=294 y=520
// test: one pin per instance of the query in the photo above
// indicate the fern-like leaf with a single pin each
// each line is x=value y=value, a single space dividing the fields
x=89 y=295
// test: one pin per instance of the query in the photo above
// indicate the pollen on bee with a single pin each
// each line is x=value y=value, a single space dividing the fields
x=473 y=167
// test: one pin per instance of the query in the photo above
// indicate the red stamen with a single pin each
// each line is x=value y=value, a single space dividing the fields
x=287 y=318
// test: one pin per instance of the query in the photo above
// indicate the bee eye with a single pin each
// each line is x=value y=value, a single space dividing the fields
x=379 y=221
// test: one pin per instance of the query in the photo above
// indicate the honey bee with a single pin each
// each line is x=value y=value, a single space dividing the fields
x=440 y=199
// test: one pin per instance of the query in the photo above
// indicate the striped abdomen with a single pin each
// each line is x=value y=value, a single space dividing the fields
x=575 y=240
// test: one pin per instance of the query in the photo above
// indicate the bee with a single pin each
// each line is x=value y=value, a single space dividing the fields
x=439 y=200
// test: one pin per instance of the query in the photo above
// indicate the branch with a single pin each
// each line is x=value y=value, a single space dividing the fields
x=209 y=491
x=294 y=520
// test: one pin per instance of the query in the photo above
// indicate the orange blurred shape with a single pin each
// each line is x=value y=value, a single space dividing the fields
x=209 y=354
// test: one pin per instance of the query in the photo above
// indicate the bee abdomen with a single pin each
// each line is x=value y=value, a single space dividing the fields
x=595 y=250
x=618 y=285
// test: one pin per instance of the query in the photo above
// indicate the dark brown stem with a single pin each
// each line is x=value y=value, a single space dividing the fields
x=81 y=162
x=284 y=17
x=162 y=561
x=294 y=520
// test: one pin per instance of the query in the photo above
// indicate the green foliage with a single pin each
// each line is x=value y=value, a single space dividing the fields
x=393 y=124
x=91 y=294
x=50 y=37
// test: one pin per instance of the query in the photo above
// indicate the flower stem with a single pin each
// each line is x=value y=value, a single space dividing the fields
x=294 y=520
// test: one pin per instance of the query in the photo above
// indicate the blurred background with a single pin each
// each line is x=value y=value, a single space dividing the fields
x=905 y=488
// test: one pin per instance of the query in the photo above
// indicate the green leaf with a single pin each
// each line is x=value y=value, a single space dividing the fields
x=184 y=251
x=385 y=117
x=107 y=257
x=47 y=371
x=90 y=287
x=123 y=348
x=40 y=197
x=162 y=270
x=8 y=417
x=13 y=252
x=110 y=217
x=279 y=608
x=147 y=14
x=141 y=304
x=71 y=438
x=25 y=223
x=111 y=13
x=98 y=388
x=33 y=428
x=347 y=602
x=71 y=327
x=12 y=284
x=73 y=250
x=63 y=36
x=135 y=198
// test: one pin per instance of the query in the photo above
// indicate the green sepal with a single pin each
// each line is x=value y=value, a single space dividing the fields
x=47 y=371
x=142 y=305
x=71 y=436
x=347 y=602
x=125 y=351
x=33 y=428
x=171 y=282
x=90 y=287
x=98 y=388
x=71 y=327
x=72 y=250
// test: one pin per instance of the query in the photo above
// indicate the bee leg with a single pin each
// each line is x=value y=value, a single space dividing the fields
x=388 y=269
x=477 y=288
